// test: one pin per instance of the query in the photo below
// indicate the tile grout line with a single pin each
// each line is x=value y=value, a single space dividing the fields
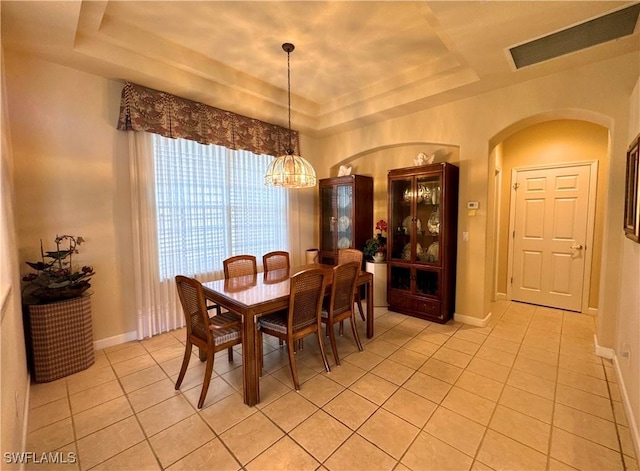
x=438 y=405
x=352 y=431
x=196 y=412
x=378 y=407
x=554 y=402
x=486 y=428
x=616 y=424
x=381 y=406
x=133 y=412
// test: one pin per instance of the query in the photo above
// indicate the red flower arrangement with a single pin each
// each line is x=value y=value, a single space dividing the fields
x=378 y=243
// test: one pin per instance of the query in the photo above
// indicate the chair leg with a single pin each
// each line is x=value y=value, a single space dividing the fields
x=292 y=364
x=359 y=303
x=230 y=354
x=322 y=352
x=259 y=347
x=352 y=318
x=334 y=347
x=185 y=364
x=207 y=378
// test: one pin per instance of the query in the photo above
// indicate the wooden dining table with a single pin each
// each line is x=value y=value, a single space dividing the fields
x=253 y=296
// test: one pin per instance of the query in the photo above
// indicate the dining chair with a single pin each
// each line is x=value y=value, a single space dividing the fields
x=240 y=265
x=340 y=305
x=275 y=260
x=209 y=334
x=353 y=255
x=302 y=318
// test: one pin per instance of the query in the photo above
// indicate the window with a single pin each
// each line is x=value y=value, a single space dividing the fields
x=212 y=204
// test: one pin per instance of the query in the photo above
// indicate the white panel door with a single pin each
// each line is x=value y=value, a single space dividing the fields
x=550 y=232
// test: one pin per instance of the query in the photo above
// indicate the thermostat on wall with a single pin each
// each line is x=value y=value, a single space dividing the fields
x=472 y=205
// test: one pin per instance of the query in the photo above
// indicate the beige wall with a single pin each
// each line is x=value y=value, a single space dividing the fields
x=13 y=370
x=475 y=126
x=303 y=209
x=72 y=177
x=628 y=313
x=551 y=142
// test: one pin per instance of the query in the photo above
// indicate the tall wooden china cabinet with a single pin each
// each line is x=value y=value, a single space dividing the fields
x=421 y=248
x=346 y=215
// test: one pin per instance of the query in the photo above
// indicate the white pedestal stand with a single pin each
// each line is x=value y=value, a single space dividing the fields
x=379 y=271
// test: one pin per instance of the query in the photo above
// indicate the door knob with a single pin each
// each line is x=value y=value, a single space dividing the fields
x=576 y=247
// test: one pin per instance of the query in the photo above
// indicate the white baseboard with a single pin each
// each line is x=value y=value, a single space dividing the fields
x=501 y=297
x=610 y=354
x=472 y=320
x=633 y=424
x=115 y=340
x=604 y=352
x=25 y=417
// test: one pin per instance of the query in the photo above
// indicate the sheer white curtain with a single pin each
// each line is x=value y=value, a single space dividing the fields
x=193 y=206
x=157 y=306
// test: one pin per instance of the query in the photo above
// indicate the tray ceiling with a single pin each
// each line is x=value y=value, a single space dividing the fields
x=354 y=63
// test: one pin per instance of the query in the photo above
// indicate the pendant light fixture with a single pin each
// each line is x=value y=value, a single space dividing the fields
x=290 y=170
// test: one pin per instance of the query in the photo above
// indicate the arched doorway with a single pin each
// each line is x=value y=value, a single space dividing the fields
x=549 y=142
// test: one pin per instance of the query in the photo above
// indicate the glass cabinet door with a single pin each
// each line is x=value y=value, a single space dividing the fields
x=400 y=278
x=427 y=283
x=337 y=226
x=343 y=223
x=428 y=189
x=400 y=224
x=328 y=219
x=421 y=248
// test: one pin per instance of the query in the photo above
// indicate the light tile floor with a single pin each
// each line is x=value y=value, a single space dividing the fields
x=527 y=392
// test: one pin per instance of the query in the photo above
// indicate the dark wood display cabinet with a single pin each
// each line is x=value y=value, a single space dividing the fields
x=346 y=215
x=422 y=243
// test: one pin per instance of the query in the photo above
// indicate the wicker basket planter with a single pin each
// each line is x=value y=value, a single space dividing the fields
x=60 y=337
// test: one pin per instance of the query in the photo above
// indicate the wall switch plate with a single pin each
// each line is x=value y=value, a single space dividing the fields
x=473 y=205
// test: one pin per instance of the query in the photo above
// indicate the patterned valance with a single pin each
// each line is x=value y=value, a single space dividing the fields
x=144 y=109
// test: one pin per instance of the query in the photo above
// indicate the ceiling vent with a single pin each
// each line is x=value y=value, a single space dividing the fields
x=597 y=31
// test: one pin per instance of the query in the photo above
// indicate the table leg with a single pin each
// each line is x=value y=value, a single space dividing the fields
x=369 y=291
x=251 y=379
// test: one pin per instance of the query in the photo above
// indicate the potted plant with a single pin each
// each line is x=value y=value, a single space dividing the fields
x=375 y=248
x=56 y=278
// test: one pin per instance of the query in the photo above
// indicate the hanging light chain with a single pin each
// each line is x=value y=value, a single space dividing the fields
x=288 y=47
